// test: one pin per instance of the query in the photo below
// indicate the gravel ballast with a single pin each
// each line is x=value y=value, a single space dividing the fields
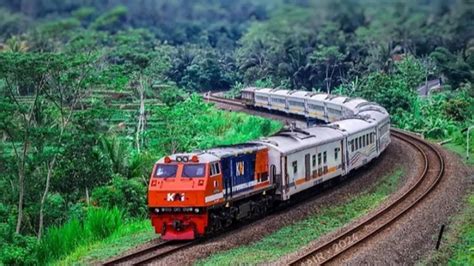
x=395 y=157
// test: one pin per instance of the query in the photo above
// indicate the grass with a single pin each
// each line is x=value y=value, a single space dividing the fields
x=61 y=240
x=103 y=233
x=461 y=150
x=463 y=250
x=457 y=247
x=299 y=234
x=126 y=237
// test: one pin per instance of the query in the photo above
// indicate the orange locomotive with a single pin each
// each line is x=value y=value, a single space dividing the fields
x=192 y=194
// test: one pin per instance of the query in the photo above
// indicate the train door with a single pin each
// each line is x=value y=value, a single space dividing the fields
x=325 y=162
x=307 y=165
x=343 y=157
x=306 y=111
x=377 y=139
x=272 y=173
x=227 y=170
x=285 y=172
x=326 y=115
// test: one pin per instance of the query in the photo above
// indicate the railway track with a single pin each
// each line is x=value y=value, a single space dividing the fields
x=332 y=249
x=213 y=97
x=237 y=106
x=149 y=254
x=432 y=173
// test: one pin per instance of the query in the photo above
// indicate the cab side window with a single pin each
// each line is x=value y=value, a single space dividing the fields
x=215 y=169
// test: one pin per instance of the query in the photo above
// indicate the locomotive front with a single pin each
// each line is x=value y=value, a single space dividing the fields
x=181 y=189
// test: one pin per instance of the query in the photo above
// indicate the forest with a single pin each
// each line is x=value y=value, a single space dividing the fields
x=92 y=93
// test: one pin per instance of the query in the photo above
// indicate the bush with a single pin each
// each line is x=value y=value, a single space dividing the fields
x=128 y=195
x=62 y=240
x=100 y=223
x=22 y=251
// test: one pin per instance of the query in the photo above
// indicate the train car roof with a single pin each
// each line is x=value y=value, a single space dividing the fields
x=251 y=89
x=354 y=125
x=202 y=157
x=376 y=113
x=217 y=153
x=232 y=150
x=289 y=141
x=263 y=90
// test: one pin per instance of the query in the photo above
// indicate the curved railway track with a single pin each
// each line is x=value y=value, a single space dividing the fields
x=432 y=173
x=214 y=98
x=332 y=249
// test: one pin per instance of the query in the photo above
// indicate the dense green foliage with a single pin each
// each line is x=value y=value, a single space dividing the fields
x=93 y=92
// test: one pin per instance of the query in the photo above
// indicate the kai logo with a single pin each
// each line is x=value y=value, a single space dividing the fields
x=239 y=169
x=175 y=197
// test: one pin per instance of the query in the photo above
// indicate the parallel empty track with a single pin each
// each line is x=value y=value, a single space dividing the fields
x=432 y=173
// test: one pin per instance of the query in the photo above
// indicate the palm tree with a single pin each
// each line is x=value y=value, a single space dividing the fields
x=14 y=44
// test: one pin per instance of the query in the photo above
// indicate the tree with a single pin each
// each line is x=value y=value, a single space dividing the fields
x=14 y=44
x=69 y=81
x=331 y=59
x=22 y=73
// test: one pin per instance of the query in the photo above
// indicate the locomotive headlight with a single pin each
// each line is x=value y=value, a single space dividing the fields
x=157 y=210
x=196 y=210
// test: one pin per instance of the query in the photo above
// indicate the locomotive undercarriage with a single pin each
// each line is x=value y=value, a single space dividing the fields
x=223 y=216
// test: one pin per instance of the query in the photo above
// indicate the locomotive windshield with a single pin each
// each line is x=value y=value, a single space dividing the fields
x=193 y=170
x=164 y=171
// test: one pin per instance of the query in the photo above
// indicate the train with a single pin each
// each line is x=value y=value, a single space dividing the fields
x=191 y=195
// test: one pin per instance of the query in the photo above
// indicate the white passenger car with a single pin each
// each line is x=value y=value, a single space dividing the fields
x=302 y=158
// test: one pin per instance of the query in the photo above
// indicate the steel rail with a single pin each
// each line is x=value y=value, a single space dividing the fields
x=323 y=254
x=142 y=256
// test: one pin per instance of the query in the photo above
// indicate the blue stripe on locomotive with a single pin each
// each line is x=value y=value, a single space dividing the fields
x=232 y=172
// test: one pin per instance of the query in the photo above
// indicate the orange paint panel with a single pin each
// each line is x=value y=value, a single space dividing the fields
x=261 y=161
x=300 y=181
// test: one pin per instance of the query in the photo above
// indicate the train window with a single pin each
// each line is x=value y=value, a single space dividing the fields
x=165 y=171
x=295 y=167
x=360 y=142
x=334 y=111
x=357 y=143
x=371 y=138
x=295 y=103
x=352 y=145
x=363 y=141
x=325 y=157
x=278 y=100
x=315 y=107
x=336 y=153
x=314 y=160
x=319 y=158
x=215 y=170
x=194 y=170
